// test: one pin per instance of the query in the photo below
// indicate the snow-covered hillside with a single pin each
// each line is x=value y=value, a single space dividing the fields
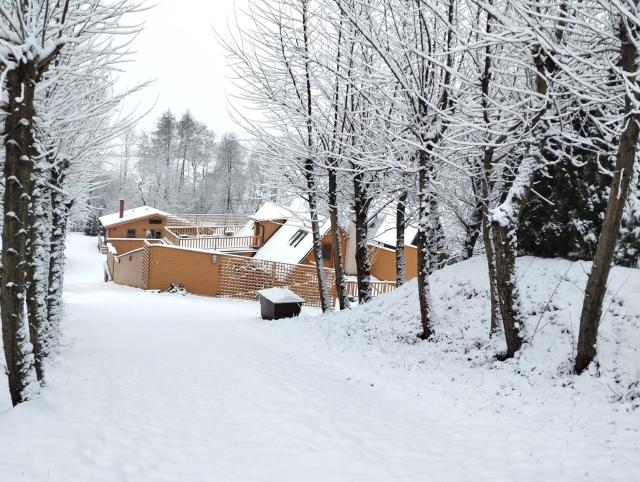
x=383 y=332
x=155 y=387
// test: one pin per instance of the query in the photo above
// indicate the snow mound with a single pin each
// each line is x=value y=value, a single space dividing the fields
x=384 y=331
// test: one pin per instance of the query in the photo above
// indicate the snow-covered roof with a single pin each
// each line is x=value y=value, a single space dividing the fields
x=246 y=230
x=284 y=248
x=386 y=232
x=280 y=295
x=131 y=215
x=270 y=211
x=293 y=240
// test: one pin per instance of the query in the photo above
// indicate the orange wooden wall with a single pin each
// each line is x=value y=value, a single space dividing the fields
x=383 y=262
x=328 y=240
x=268 y=228
x=140 y=225
x=194 y=269
x=125 y=245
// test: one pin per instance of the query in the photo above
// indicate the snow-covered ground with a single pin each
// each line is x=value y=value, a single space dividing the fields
x=163 y=387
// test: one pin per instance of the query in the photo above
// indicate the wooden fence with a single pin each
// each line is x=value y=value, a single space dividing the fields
x=193 y=231
x=214 y=219
x=241 y=277
x=219 y=242
x=377 y=288
x=188 y=238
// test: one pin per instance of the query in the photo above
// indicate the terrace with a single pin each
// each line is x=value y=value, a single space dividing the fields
x=213 y=237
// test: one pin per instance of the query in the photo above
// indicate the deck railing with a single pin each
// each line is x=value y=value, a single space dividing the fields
x=214 y=219
x=190 y=237
x=377 y=288
x=194 y=231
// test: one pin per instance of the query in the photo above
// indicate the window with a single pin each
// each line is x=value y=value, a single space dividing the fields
x=327 y=252
x=155 y=221
x=157 y=234
x=297 y=238
x=131 y=233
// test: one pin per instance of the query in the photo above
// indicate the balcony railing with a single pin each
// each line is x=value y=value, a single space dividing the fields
x=190 y=237
x=195 y=231
x=213 y=219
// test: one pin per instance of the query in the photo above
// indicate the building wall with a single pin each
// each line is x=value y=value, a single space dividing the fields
x=194 y=269
x=383 y=262
x=327 y=239
x=125 y=245
x=128 y=269
x=140 y=226
x=268 y=228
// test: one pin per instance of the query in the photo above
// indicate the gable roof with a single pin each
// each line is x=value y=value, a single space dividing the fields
x=270 y=211
x=282 y=246
x=386 y=232
x=129 y=215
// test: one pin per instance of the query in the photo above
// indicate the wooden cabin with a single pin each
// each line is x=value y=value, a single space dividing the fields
x=152 y=249
x=133 y=224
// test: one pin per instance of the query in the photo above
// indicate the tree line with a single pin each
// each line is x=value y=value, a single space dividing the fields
x=180 y=166
x=496 y=126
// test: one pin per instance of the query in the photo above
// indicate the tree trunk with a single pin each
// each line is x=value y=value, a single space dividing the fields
x=473 y=229
x=341 y=291
x=325 y=302
x=60 y=213
x=309 y=171
x=363 y=264
x=597 y=282
x=436 y=240
x=487 y=237
x=37 y=278
x=424 y=291
x=18 y=167
x=507 y=286
x=401 y=209
x=503 y=227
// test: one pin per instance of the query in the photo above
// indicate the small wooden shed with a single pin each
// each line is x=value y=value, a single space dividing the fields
x=276 y=303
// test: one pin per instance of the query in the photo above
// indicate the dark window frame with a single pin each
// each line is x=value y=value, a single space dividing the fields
x=327 y=248
x=131 y=233
x=297 y=238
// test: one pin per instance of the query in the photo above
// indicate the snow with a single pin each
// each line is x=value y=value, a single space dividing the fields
x=270 y=212
x=280 y=295
x=246 y=230
x=131 y=215
x=162 y=387
x=278 y=247
x=386 y=232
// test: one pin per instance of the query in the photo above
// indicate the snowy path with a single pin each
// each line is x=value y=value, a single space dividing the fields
x=158 y=387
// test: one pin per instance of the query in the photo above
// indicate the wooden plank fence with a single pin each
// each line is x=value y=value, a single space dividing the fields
x=377 y=288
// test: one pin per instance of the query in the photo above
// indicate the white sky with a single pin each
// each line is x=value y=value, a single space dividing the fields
x=178 y=49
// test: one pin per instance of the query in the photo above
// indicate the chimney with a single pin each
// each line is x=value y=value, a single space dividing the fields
x=121 y=208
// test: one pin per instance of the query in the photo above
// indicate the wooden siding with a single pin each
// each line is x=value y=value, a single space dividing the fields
x=124 y=245
x=383 y=262
x=144 y=267
x=327 y=239
x=194 y=269
x=266 y=229
x=140 y=225
x=128 y=269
